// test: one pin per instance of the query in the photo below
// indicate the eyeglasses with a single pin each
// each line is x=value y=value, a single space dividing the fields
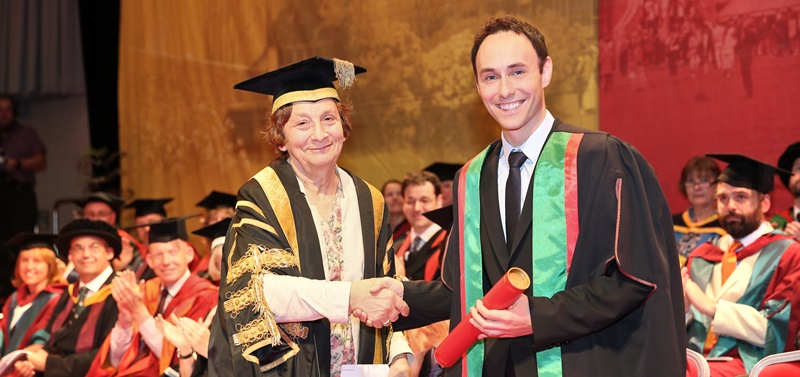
x=703 y=184
x=94 y=247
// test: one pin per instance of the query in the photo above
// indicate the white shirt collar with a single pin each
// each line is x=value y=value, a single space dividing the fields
x=426 y=234
x=176 y=286
x=98 y=281
x=534 y=144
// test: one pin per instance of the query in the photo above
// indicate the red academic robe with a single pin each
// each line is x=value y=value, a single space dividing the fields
x=33 y=320
x=194 y=300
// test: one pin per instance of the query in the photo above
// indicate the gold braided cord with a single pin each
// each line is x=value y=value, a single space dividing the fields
x=262 y=328
x=258 y=259
x=237 y=301
x=304 y=95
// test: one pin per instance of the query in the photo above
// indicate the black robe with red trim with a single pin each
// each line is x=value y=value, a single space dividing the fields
x=425 y=263
x=74 y=342
x=621 y=313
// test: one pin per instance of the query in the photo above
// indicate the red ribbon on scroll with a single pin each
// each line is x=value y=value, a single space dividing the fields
x=501 y=296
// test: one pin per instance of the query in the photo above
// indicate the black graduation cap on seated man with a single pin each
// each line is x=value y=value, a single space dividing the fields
x=786 y=161
x=217 y=199
x=145 y=207
x=168 y=229
x=307 y=80
x=444 y=170
x=743 y=171
x=113 y=201
x=215 y=230
x=28 y=240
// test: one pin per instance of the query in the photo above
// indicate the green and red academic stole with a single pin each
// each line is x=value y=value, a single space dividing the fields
x=555 y=233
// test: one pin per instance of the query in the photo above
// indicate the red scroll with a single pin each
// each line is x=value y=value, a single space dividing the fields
x=501 y=296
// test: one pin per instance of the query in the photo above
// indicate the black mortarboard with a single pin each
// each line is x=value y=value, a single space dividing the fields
x=786 y=161
x=169 y=229
x=307 y=80
x=215 y=230
x=147 y=206
x=218 y=199
x=441 y=216
x=86 y=227
x=445 y=171
x=113 y=201
x=28 y=240
x=743 y=171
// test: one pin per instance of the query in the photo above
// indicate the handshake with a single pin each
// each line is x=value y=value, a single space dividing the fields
x=377 y=302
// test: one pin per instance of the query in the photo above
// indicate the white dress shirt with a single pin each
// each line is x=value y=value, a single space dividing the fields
x=532 y=147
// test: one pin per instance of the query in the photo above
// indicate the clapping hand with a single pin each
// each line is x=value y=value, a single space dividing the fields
x=172 y=333
x=377 y=302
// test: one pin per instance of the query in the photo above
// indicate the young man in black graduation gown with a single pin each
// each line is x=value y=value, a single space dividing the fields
x=594 y=232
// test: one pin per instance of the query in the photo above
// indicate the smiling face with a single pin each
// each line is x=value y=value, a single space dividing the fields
x=90 y=255
x=33 y=268
x=169 y=260
x=314 y=135
x=418 y=199
x=510 y=84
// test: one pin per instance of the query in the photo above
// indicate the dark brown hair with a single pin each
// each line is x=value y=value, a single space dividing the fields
x=418 y=178
x=508 y=23
x=276 y=122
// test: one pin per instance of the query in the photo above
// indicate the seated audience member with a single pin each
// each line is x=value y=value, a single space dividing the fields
x=419 y=256
x=39 y=285
x=699 y=223
x=445 y=172
x=86 y=312
x=218 y=205
x=187 y=333
x=135 y=346
x=742 y=293
x=392 y=192
x=215 y=233
x=132 y=257
x=789 y=219
x=101 y=206
x=147 y=211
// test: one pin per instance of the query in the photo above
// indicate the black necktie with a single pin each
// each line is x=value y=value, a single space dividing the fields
x=79 y=305
x=513 y=189
x=162 y=300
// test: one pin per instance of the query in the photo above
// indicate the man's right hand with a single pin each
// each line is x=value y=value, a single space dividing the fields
x=378 y=302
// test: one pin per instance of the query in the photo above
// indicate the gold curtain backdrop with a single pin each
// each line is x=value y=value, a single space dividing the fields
x=184 y=130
